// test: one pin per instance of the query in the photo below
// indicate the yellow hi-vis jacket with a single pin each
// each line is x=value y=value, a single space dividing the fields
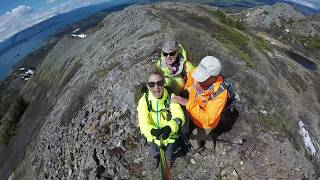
x=148 y=120
x=176 y=81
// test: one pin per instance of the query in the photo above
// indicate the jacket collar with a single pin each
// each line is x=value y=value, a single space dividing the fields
x=181 y=59
x=213 y=88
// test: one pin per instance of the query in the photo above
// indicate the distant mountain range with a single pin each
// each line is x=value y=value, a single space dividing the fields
x=252 y=3
x=16 y=47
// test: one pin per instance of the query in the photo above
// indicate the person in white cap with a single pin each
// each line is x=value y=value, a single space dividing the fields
x=174 y=65
x=207 y=99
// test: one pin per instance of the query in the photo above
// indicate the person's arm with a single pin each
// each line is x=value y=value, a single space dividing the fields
x=188 y=67
x=189 y=82
x=210 y=115
x=177 y=115
x=145 y=123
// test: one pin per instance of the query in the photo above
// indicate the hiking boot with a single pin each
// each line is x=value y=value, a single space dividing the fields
x=155 y=162
x=198 y=150
x=170 y=164
x=196 y=146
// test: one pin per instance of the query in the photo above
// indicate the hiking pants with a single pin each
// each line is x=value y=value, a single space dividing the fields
x=167 y=150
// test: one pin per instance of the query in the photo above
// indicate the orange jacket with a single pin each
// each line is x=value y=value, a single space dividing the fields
x=204 y=111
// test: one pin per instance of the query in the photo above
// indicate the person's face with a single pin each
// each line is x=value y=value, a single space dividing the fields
x=170 y=56
x=155 y=85
x=207 y=83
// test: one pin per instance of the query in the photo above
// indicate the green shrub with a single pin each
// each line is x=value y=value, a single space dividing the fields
x=263 y=45
x=310 y=42
x=227 y=20
x=276 y=123
x=290 y=21
x=11 y=118
x=236 y=42
x=274 y=25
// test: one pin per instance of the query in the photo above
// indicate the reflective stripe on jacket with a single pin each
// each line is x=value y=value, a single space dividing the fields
x=148 y=120
x=204 y=111
x=176 y=81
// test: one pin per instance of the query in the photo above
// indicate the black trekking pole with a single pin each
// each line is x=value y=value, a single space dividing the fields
x=164 y=164
x=163 y=160
x=215 y=139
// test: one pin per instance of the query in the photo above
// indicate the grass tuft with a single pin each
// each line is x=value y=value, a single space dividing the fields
x=236 y=42
x=11 y=119
x=310 y=42
x=227 y=20
x=263 y=46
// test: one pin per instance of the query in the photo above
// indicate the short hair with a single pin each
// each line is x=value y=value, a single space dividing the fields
x=156 y=71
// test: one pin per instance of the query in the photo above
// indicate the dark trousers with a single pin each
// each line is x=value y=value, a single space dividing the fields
x=168 y=150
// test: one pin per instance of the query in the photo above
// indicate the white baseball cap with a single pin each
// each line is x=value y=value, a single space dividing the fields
x=208 y=66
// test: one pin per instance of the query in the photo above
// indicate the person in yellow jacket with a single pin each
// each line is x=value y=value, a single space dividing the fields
x=207 y=99
x=174 y=65
x=159 y=118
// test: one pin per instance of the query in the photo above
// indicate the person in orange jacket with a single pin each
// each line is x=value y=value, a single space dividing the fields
x=207 y=99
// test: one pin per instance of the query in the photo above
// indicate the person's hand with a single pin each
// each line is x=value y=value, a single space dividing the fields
x=178 y=99
x=161 y=133
x=156 y=133
x=166 y=132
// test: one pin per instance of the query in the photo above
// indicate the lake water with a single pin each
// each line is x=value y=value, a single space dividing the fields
x=19 y=50
x=305 y=62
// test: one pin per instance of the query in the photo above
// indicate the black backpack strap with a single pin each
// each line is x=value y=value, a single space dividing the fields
x=146 y=96
x=221 y=88
x=167 y=104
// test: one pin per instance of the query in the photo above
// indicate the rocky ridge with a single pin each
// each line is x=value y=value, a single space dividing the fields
x=83 y=102
x=282 y=16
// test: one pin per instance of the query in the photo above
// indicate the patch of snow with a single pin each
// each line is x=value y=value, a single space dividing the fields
x=306 y=139
x=21 y=69
x=248 y=14
x=29 y=71
x=26 y=79
x=269 y=53
x=79 y=35
x=192 y=161
x=11 y=176
x=272 y=42
x=264 y=112
x=287 y=30
x=76 y=30
x=277 y=54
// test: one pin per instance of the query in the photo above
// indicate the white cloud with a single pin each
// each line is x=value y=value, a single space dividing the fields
x=24 y=16
x=21 y=18
x=313 y=5
x=51 y=1
x=10 y=21
x=20 y=10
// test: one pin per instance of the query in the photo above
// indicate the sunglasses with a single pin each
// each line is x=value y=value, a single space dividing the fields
x=158 y=83
x=170 y=54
